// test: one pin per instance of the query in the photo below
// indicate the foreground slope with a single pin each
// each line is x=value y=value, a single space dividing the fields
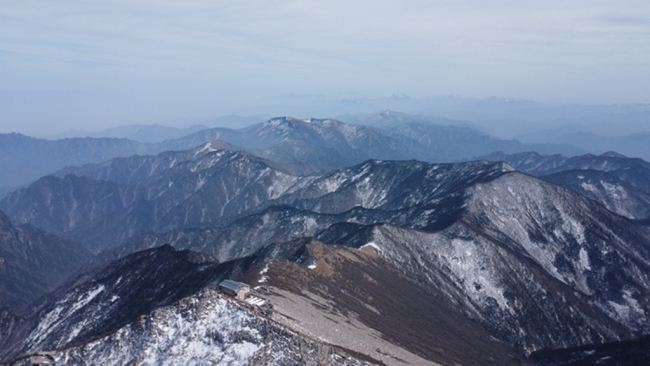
x=204 y=328
x=157 y=307
x=153 y=308
x=135 y=310
x=108 y=298
x=354 y=298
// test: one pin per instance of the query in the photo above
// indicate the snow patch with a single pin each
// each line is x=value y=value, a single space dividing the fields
x=200 y=183
x=208 y=147
x=584 y=259
x=373 y=245
x=86 y=299
x=202 y=330
x=589 y=187
x=470 y=272
x=262 y=272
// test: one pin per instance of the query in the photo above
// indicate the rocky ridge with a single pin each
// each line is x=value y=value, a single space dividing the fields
x=134 y=311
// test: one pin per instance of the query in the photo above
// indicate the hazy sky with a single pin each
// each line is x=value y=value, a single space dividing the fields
x=92 y=64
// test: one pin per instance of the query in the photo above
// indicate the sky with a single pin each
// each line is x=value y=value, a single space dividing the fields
x=87 y=64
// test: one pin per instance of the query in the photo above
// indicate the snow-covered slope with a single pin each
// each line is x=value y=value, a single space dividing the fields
x=613 y=193
x=157 y=307
x=619 y=183
x=540 y=265
x=633 y=171
x=580 y=243
x=203 y=329
x=110 y=297
x=389 y=185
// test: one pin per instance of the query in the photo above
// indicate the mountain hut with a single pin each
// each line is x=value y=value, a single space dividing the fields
x=234 y=288
x=42 y=359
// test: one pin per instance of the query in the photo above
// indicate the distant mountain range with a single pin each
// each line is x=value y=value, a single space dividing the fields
x=140 y=133
x=28 y=158
x=212 y=187
x=632 y=145
x=157 y=133
x=502 y=117
x=322 y=144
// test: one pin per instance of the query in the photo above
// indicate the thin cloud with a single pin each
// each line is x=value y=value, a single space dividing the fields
x=555 y=51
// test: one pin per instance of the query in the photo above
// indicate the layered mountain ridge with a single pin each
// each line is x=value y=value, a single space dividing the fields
x=536 y=264
x=317 y=143
x=220 y=186
x=33 y=263
x=528 y=263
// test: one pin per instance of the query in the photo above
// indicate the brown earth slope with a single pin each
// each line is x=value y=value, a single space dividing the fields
x=358 y=287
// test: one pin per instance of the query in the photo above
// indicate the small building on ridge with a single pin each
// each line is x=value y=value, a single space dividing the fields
x=234 y=288
x=42 y=358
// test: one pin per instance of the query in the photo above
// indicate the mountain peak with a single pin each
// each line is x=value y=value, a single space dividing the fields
x=612 y=154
